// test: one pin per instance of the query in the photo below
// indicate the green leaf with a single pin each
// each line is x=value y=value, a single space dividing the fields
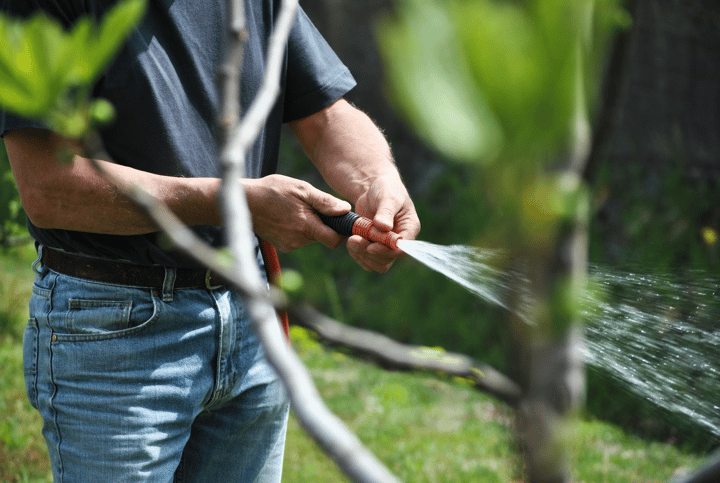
x=81 y=36
x=49 y=52
x=102 y=111
x=291 y=281
x=501 y=46
x=115 y=27
x=23 y=74
x=432 y=86
x=524 y=68
x=73 y=126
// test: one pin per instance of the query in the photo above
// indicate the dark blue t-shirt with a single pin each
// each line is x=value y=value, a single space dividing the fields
x=163 y=87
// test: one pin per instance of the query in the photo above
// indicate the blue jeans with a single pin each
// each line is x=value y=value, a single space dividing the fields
x=143 y=385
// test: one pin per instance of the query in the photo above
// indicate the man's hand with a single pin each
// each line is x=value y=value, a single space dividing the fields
x=354 y=158
x=388 y=204
x=283 y=212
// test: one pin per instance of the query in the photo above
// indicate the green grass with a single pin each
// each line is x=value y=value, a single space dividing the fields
x=23 y=455
x=425 y=428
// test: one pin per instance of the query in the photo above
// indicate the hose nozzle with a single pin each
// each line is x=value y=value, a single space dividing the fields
x=353 y=224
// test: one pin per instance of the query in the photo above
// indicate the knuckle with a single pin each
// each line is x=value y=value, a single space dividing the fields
x=309 y=232
x=305 y=190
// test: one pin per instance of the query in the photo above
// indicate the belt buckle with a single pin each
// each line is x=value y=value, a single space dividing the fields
x=208 y=280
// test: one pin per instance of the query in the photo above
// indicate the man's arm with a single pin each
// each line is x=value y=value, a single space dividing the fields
x=74 y=196
x=354 y=158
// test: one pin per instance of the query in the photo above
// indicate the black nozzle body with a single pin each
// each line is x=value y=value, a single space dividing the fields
x=342 y=224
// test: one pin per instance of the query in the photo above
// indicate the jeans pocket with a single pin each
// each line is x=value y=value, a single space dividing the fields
x=88 y=318
x=30 y=360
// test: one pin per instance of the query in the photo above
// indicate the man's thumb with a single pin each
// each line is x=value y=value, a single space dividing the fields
x=384 y=217
x=327 y=204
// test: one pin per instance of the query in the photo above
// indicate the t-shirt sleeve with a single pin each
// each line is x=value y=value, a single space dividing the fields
x=9 y=122
x=315 y=75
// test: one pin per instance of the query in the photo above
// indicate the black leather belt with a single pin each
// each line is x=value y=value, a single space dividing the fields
x=121 y=273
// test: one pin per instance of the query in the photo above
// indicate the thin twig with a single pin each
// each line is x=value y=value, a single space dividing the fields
x=249 y=128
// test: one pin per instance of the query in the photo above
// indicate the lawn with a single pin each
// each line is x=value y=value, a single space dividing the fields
x=425 y=428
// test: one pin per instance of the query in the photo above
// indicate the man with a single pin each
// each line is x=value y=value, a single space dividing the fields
x=143 y=368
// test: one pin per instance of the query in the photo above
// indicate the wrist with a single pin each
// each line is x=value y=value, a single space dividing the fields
x=202 y=206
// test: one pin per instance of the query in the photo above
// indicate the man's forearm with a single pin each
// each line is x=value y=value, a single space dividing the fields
x=95 y=205
x=348 y=149
x=75 y=196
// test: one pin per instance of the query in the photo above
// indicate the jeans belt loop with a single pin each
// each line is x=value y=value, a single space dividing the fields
x=37 y=265
x=169 y=284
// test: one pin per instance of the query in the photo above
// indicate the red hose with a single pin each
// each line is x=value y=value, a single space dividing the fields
x=272 y=270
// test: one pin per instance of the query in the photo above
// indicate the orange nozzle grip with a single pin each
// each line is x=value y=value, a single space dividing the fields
x=365 y=228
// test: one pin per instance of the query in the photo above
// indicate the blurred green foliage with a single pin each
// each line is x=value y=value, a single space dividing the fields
x=487 y=80
x=12 y=215
x=529 y=73
x=47 y=73
x=504 y=87
x=660 y=219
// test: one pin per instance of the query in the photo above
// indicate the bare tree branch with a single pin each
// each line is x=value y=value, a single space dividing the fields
x=249 y=128
x=229 y=75
x=550 y=362
x=236 y=213
x=393 y=355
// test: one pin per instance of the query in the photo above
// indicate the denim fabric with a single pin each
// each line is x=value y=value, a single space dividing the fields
x=140 y=385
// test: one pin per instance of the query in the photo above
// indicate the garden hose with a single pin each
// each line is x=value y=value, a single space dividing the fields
x=346 y=225
x=353 y=224
x=272 y=270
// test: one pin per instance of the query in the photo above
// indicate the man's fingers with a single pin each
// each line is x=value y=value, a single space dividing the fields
x=319 y=231
x=371 y=256
x=326 y=203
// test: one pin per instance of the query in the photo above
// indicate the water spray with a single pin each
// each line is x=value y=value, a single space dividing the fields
x=353 y=224
x=475 y=269
x=656 y=335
